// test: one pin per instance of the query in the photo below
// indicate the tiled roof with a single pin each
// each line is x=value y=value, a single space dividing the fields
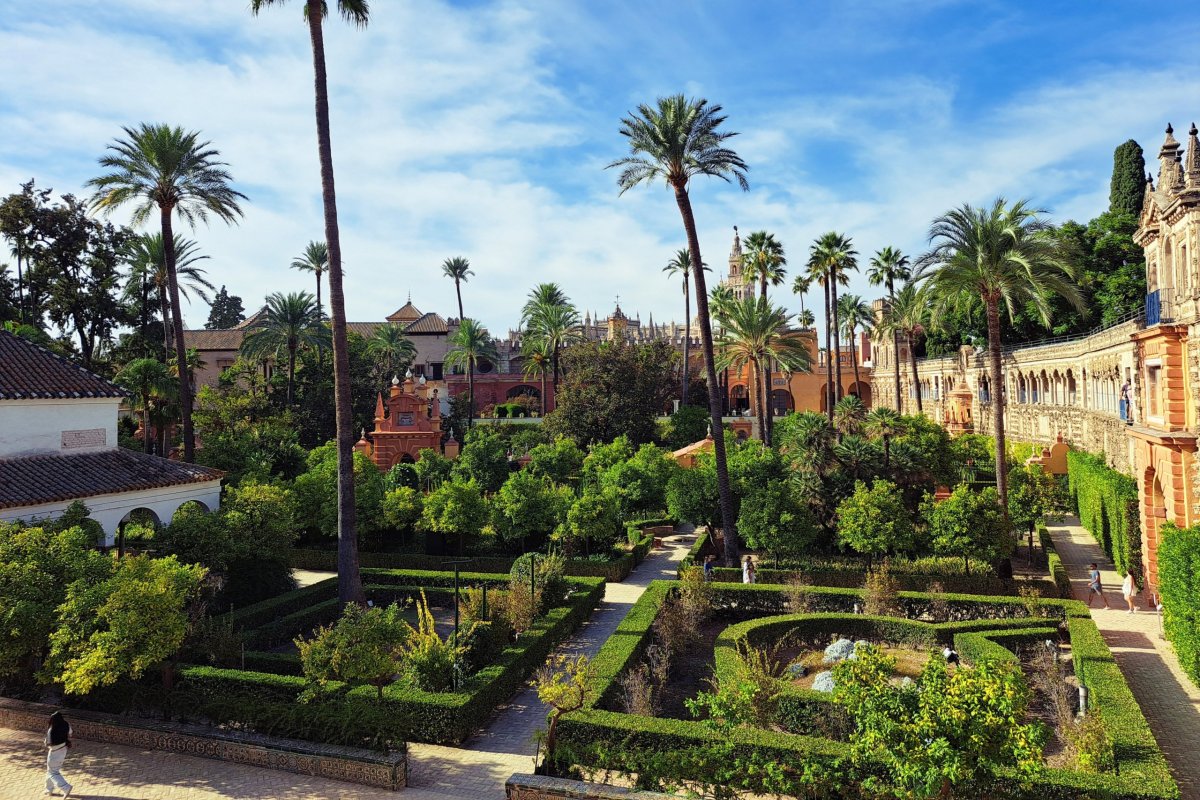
x=28 y=371
x=406 y=313
x=221 y=339
x=364 y=329
x=428 y=323
x=50 y=479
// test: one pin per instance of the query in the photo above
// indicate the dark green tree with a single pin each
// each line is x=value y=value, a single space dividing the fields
x=613 y=388
x=1128 y=188
x=225 y=310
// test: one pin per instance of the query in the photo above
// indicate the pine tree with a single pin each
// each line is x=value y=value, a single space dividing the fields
x=226 y=311
x=1128 y=180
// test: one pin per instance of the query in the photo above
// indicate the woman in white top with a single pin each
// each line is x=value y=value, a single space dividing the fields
x=748 y=570
x=58 y=741
x=1129 y=590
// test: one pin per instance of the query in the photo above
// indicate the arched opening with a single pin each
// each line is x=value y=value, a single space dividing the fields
x=1154 y=512
x=484 y=367
x=862 y=390
x=141 y=525
x=1070 y=388
x=782 y=402
x=739 y=399
x=824 y=398
x=407 y=459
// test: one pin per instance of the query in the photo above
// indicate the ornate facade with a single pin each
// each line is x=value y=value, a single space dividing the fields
x=1076 y=388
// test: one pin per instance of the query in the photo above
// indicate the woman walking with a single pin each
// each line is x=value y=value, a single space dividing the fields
x=748 y=570
x=58 y=741
x=1129 y=591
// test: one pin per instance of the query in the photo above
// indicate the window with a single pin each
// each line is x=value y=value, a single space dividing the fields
x=1153 y=388
x=435 y=370
x=418 y=370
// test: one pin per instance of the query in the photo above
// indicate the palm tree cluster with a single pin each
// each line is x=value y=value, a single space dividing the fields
x=549 y=322
x=288 y=322
x=470 y=345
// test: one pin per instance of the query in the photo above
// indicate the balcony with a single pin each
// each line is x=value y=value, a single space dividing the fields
x=1160 y=306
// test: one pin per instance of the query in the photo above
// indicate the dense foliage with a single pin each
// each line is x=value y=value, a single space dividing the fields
x=1179 y=582
x=1107 y=504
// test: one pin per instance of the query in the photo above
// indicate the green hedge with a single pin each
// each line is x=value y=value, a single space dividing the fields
x=1107 y=502
x=1058 y=571
x=686 y=750
x=614 y=570
x=269 y=703
x=1179 y=583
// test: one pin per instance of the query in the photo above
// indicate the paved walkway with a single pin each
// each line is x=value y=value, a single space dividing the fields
x=476 y=771
x=1170 y=701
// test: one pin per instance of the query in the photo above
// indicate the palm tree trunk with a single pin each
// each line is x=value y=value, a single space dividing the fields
x=895 y=346
x=756 y=374
x=320 y=311
x=993 y=323
x=165 y=306
x=762 y=282
x=837 y=332
x=830 y=392
x=20 y=252
x=146 y=445
x=725 y=495
x=349 y=577
x=854 y=358
x=687 y=337
x=543 y=390
x=185 y=378
x=470 y=394
x=291 y=372
x=554 y=374
x=912 y=359
x=458 y=291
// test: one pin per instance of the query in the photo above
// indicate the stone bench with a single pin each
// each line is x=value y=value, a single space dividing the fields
x=351 y=764
x=540 y=787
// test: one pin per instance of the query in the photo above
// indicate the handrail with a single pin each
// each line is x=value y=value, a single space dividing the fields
x=1008 y=349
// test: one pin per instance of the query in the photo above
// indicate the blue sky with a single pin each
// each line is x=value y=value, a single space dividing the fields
x=482 y=128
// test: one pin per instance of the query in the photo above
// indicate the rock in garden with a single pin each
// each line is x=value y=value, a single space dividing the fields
x=839 y=651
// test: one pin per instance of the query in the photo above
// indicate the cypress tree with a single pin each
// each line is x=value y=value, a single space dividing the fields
x=225 y=311
x=1128 y=180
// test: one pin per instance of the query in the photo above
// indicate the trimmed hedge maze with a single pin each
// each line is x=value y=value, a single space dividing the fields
x=980 y=627
x=267 y=696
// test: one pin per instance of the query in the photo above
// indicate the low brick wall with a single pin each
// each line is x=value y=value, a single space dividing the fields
x=540 y=787
x=351 y=764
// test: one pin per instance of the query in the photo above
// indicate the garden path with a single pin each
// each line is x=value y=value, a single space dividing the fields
x=507 y=745
x=477 y=771
x=1170 y=701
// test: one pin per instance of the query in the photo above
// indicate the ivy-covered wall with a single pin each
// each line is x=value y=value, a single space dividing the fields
x=1179 y=583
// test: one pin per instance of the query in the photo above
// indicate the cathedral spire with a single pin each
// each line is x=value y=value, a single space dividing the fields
x=1169 y=169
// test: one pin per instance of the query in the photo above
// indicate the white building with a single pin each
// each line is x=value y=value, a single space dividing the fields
x=58 y=444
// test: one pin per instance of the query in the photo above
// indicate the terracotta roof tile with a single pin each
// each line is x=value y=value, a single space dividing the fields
x=221 y=339
x=28 y=371
x=50 y=479
x=428 y=323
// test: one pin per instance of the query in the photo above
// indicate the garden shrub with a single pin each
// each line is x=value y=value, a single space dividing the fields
x=881 y=592
x=969 y=524
x=592 y=524
x=402 y=508
x=873 y=521
x=316 y=493
x=1179 y=583
x=365 y=646
x=1058 y=571
x=560 y=461
x=429 y=661
x=1107 y=505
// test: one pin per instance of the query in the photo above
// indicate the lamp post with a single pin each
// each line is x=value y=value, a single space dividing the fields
x=454 y=669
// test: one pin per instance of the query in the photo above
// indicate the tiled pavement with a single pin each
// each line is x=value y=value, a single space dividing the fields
x=477 y=771
x=1170 y=701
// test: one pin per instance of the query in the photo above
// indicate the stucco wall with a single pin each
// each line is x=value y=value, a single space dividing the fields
x=30 y=427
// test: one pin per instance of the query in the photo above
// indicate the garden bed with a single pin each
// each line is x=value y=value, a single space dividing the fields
x=689 y=751
x=266 y=696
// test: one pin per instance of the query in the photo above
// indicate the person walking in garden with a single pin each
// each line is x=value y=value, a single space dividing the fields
x=58 y=741
x=709 y=566
x=1129 y=591
x=748 y=570
x=1094 y=587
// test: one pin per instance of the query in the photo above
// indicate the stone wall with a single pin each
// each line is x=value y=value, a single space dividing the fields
x=351 y=764
x=540 y=787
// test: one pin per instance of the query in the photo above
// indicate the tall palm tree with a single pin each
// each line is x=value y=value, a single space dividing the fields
x=149 y=381
x=675 y=140
x=834 y=256
x=356 y=12
x=854 y=313
x=536 y=362
x=457 y=269
x=391 y=350
x=470 y=344
x=806 y=319
x=763 y=260
x=541 y=296
x=999 y=254
x=681 y=264
x=314 y=259
x=147 y=260
x=288 y=322
x=888 y=267
x=800 y=285
x=555 y=325
x=819 y=271
x=907 y=316
x=171 y=170
x=753 y=333
x=884 y=423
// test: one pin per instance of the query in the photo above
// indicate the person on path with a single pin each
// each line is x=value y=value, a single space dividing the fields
x=58 y=741
x=1129 y=591
x=748 y=570
x=709 y=566
x=1094 y=587
x=1127 y=402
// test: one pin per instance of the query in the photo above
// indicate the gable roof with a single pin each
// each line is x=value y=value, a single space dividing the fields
x=36 y=480
x=29 y=371
x=406 y=313
x=428 y=323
